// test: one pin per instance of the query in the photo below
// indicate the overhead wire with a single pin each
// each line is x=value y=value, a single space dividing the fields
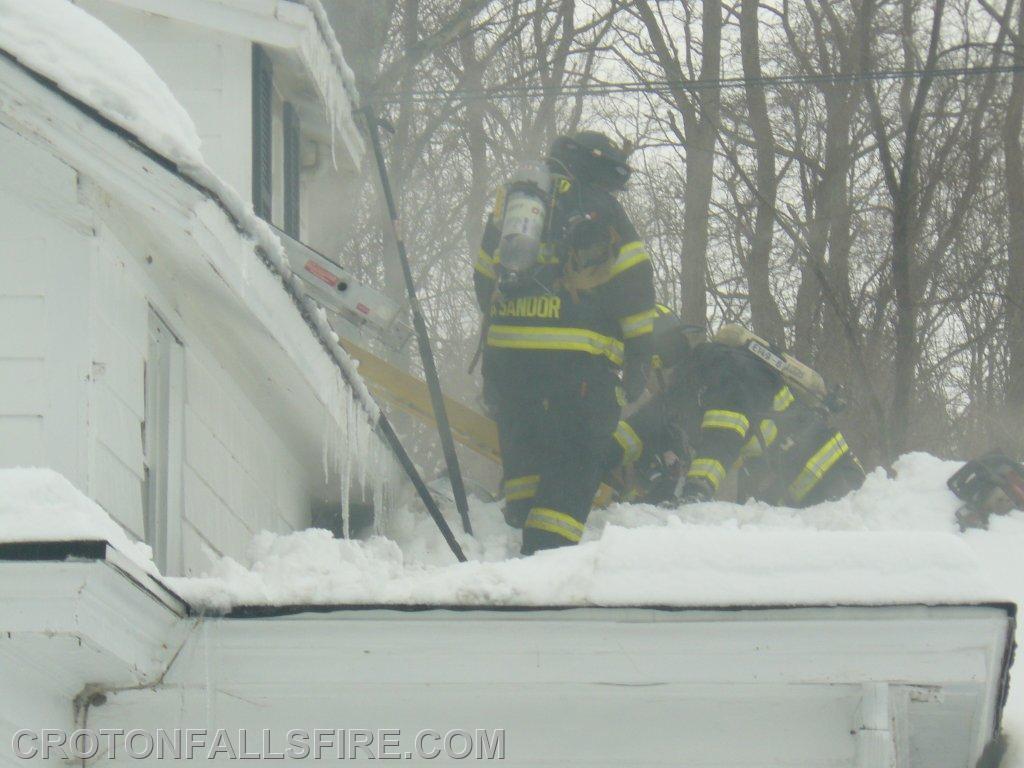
x=667 y=86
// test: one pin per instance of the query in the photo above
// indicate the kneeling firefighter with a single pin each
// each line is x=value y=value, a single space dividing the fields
x=566 y=288
x=741 y=405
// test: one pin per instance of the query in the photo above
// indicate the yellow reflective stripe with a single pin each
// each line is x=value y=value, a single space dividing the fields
x=755 y=445
x=817 y=466
x=553 y=338
x=630 y=442
x=548 y=254
x=783 y=400
x=629 y=256
x=519 y=488
x=639 y=324
x=727 y=420
x=559 y=523
x=708 y=469
x=485 y=264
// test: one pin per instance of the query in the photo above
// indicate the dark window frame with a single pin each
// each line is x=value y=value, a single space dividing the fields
x=292 y=171
x=262 y=133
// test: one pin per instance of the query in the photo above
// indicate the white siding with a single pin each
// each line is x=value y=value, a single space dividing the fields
x=74 y=307
x=43 y=271
x=119 y=319
x=239 y=477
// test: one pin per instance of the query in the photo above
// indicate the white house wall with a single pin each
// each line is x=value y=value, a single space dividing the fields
x=209 y=72
x=238 y=476
x=74 y=308
x=43 y=269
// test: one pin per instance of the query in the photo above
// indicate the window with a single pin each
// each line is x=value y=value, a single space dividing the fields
x=262 y=133
x=292 y=170
x=162 y=444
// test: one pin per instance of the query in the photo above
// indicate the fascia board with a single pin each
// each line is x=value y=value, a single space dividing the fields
x=797 y=645
x=257 y=21
x=80 y=622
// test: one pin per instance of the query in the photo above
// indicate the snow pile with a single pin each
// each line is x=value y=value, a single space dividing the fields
x=90 y=62
x=41 y=505
x=673 y=565
x=895 y=541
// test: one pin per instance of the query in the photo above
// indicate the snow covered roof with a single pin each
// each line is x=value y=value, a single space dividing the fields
x=889 y=544
x=87 y=60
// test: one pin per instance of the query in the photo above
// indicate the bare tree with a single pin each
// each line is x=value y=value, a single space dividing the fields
x=700 y=108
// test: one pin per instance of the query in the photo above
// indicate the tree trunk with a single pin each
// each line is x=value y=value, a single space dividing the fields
x=701 y=135
x=1014 y=189
x=765 y=315
x=476 y=141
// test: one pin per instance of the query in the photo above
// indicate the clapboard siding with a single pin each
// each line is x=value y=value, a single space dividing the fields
x=22 y=442
x=23 y=266
x=213 y=519
x=232 y=448
x=23 y=319
x=22 y=387
x=119 y=324
x=121 y=366
x=117 y=488
x=44 y=289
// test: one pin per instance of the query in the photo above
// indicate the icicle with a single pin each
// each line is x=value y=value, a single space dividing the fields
x=351 y=447
x=381 y=470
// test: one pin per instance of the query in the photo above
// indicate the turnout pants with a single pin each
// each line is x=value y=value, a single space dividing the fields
x=552 y=445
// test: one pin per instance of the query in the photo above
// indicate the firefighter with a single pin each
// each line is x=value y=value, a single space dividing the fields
x=742 y=415
x=566 y=288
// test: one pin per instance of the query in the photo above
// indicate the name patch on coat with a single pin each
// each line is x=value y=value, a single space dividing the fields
x=542 y=307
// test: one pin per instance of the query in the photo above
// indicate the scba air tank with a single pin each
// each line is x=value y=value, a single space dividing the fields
x=526 y=213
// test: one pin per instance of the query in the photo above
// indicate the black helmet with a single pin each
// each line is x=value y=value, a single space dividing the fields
x=591 y=157
x=674 y=340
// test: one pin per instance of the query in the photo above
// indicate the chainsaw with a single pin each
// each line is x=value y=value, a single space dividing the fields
x=991 y=485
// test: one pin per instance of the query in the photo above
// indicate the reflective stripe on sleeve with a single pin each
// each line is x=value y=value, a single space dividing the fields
x=755 y=445
x=554 y=338
x=640 y=324
x=485 y=264
x=559 y=523
x=629 y=256
x=783 y=399
x=630 y=442
x=708 y=469
x=726 y=420
x=816 y=467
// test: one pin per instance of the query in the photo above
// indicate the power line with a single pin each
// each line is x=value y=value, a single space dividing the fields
x=666 y=86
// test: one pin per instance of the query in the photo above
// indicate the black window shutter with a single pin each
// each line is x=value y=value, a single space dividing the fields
x=262 y=133
x=292 y=134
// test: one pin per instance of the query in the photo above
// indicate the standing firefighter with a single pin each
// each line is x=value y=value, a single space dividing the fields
x=732 y=398
x=566 y=288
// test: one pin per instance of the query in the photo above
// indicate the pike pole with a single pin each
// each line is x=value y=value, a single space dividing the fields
x=374 y=124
